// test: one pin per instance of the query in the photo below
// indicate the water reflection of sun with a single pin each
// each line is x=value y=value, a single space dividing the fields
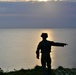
x=49 y=32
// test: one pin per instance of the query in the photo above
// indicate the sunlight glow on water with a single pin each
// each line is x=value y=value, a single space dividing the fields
x=18 y=47
x=50 y=33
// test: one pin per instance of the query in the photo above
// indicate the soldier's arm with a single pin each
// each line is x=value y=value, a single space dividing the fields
x=59 y=44
x=37 y=51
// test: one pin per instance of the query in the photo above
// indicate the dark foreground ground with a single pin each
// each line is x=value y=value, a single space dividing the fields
x=38 y=71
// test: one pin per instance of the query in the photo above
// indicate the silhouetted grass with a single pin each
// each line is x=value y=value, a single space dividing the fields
x=38 y=71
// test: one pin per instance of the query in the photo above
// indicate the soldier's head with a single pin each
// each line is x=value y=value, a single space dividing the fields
x=44 y=35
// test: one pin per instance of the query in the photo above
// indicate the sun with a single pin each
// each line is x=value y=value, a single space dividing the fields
x=42 y=0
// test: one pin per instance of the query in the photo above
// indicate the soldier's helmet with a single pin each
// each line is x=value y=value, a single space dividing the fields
x=44 y=35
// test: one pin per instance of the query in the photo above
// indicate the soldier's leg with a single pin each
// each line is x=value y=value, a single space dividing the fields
x=43 y=62
x=49 y=65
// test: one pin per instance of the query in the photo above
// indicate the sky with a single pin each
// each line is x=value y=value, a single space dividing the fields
x=58 y=14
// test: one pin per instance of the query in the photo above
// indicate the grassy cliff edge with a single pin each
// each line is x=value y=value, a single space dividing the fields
x=38 y=71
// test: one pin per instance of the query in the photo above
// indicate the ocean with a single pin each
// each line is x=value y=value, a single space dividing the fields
x=18 y=47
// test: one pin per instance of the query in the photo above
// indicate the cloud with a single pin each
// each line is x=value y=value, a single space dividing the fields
x=2 y=9
x=32 y=0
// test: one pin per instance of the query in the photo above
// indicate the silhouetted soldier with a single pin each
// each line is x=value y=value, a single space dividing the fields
x=45 y=47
